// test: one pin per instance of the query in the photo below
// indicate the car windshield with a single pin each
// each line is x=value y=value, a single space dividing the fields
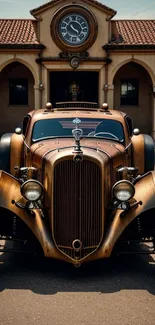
x=62 y=127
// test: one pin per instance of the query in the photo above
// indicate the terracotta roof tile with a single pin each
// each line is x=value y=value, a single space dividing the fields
x=124 y=32
x=133 y=32
x=16 y=31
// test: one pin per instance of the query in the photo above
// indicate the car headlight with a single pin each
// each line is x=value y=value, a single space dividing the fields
x=123 y=190
x=32 y=190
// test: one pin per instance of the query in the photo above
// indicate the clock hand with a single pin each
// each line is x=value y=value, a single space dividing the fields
x=74 y=29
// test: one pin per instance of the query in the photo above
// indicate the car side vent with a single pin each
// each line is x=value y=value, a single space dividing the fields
x=71 y=104
x=107 y=113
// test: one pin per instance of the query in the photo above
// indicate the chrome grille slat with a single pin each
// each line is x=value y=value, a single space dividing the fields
x=77 y=212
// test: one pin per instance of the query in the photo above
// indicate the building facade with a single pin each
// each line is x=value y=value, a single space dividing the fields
x=75 y=50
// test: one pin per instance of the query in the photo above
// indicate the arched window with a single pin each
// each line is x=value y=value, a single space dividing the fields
x=129 y=91
x=18 y=91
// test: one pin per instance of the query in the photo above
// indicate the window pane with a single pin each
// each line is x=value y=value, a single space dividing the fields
x=129 y=92
x=123 y=89
x=104 y=128
x=18 y=92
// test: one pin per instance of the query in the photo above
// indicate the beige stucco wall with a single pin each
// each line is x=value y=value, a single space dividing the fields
x=24 y=57
x=45 y=34
x=141 y=114
x=11 y=116
x=147 y=60
x=144 y=115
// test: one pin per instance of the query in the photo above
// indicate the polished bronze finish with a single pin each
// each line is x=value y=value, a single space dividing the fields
x=77 y=245
x=78 y=186
x=77 y=218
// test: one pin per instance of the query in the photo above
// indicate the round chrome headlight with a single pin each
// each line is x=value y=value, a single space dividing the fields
x=123 y=190
x=32 y=190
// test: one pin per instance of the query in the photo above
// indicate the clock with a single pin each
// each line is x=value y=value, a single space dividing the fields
x=74 y=28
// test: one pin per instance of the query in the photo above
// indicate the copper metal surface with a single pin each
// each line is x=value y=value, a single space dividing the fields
x=138 y=153
x=78 y=187
x=16 y=154
x=73 y=113
x=9 y=188
x=77 y=196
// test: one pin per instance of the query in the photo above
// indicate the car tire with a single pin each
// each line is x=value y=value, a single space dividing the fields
x=5 y=152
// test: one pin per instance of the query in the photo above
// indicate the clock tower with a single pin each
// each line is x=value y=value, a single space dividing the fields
x=74 y=28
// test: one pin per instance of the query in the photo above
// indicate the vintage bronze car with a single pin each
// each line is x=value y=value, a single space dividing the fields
x=78 y=182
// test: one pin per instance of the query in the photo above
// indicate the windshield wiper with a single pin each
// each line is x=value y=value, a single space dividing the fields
x=104 y=138
x=51 y=137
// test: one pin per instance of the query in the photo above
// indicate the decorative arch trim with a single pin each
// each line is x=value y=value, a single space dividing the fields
x=6 y=63
x=121 y=64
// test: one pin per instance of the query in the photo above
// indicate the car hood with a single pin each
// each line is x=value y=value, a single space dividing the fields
x=46 y=155
x=41 y=149
x=110 y=154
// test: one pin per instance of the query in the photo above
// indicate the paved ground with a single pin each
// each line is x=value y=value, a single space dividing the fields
x=120 y=291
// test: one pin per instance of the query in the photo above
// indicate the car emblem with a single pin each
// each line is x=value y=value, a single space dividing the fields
x=77 y=245
x=77 y=134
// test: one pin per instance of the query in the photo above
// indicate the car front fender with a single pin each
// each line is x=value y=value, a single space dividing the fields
x=145 y=194
x=10 y=193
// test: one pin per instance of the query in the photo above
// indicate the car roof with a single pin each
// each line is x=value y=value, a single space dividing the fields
x=73 y=112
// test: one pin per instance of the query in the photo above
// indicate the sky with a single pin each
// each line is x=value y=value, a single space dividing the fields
x=126 y=9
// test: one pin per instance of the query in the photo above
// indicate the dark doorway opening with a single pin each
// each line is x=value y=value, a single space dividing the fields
x=73 y=86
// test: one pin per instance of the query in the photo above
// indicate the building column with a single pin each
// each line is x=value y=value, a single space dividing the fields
x=153 y=118
x=46 y=86
x=110 y=96
x=101 y=83
x=36 y=97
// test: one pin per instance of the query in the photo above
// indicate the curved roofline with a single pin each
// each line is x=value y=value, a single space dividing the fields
x=53 y=2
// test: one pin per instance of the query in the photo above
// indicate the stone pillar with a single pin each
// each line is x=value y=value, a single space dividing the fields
x=110 y=96
x=36 y=97
x=45 y=93
x=153 y=117
x=101 y=83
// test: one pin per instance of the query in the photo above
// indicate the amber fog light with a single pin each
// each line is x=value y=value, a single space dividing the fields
x=32 y=190
x=123 y=191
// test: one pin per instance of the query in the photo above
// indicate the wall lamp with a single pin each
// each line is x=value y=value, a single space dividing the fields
x=105 y=87
x=153 y=90
x=41 y=87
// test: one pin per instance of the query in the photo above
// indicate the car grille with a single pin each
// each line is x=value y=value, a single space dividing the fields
x=77 y=206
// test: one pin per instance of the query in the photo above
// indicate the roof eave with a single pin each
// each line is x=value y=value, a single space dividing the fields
x=34 y=12
x=22 y=46
x=128 y=46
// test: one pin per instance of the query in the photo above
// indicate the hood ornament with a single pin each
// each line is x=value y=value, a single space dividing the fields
x=77 y=134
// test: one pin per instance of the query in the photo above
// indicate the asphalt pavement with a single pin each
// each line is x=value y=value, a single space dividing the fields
x=119 y=291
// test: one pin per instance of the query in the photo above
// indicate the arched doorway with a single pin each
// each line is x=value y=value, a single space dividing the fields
x=133 y=95
x=62 y=81
x=16 y=95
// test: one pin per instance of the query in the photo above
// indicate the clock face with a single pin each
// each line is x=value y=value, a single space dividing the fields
x=74 y=29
